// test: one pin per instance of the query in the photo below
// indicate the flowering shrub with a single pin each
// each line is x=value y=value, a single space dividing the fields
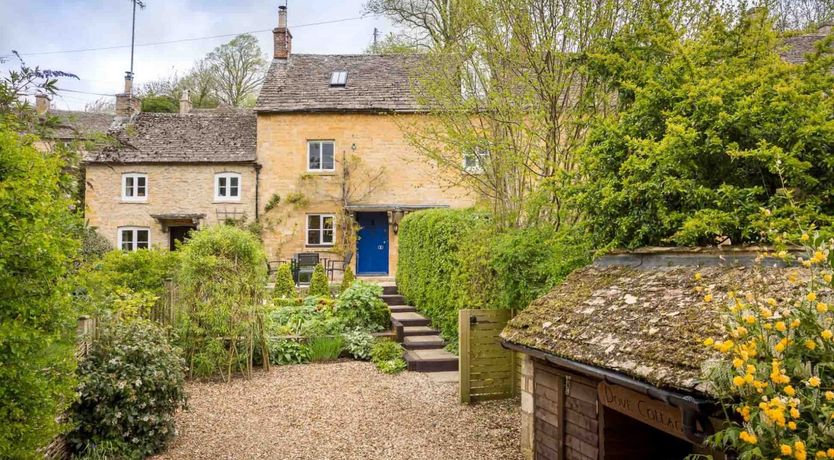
x=776 y=374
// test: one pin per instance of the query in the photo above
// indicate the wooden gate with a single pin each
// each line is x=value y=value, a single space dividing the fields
x=487 y=370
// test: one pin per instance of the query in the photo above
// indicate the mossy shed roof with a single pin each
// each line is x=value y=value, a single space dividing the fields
x=639 y=313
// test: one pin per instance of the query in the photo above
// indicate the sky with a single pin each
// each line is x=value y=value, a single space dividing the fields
x=43 y=31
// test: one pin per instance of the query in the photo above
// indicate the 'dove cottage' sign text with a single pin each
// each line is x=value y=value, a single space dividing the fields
x=643 y=408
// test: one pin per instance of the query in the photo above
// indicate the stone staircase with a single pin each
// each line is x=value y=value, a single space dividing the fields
x=423 y=345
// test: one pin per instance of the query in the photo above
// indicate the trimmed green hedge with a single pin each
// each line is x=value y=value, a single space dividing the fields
x=453 y=259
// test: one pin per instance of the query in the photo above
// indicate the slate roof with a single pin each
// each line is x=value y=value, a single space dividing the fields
x=218 y=136
x=642 y=319
x=79 y=125
x=375 y=83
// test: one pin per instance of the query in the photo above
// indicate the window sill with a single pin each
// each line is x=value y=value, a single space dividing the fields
x=319 y=246
x=123 y=201
x=226 y=202
x=321 y=173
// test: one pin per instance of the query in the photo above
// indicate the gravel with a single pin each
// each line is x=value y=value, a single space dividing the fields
x=341 y=410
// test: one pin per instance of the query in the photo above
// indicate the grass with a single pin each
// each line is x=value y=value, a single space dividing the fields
x=325 y=348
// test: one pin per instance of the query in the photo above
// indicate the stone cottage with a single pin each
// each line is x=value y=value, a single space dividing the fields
x=335 y=156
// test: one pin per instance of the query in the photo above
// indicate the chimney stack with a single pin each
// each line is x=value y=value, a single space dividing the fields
x=41 y=104
x=185 y=102
x=126 y=104
x=281 y=35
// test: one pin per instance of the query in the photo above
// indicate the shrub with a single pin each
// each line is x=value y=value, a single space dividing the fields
x=222 y=278
x=162 y=104
x=284 y=284
x=325 y=348
x=93 y=244
x=360 y=307
x=130 y=386
x=309 y=317
x=37 y=320
x=283 y=352
x=319 y=285
x=347 y=279
x=387 y=356
x=358 y=343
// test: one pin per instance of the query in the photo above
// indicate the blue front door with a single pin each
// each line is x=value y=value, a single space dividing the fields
x=372 y=247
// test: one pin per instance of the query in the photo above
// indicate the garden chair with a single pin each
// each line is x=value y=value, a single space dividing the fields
x=305 y=263
x=334 y=265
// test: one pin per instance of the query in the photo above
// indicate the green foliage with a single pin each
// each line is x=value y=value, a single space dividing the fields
x=222 y=278
x=37 y=320
x=309 y=317
x=130 y=386
x=273 y=201
x=161 y=104
x=319 y=285
x=454 y=259
x=387 y=356
x=361 y=307
x=282 y=352
x=93 y=244
x=358 y=343
x=284 y=285
x=710 y=133
x=298 y=199
x=347 y=278
x=325 y=348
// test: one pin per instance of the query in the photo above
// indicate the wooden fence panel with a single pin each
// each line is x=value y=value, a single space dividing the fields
x=487 y=370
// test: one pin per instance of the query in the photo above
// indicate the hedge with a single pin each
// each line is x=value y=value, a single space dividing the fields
x=453 y=259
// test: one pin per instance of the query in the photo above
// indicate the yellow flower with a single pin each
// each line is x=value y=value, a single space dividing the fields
x=794 y=412
x=749 y=319
x=751 y=369
x=827 y=334
x=792 y=425
x=771 y=301
x=829 y=395
x=789 y=390
x=780 y=347
x=708 y=298
x=785 y=449
x=782 y=254
x=766 y=313
x=827 y=277
x=795 y=323
x=725 y=347
x=822 y=308
x=748 y=438
x=738 y=362
x=698 y=276
x=738 y=381
x=740 y=331
x=812 y=296
x=810 y=344
x=814 y=381
x=709 y=341
x=830 y=452
x=780 y=326
x=821 y=454
x=805 y=237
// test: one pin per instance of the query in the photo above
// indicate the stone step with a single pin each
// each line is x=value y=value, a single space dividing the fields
x=393 y=299
x=411 y=331
x=401 y=308
x=434 y=360
x=423 y=342
x=389 y=289
x=410 y=318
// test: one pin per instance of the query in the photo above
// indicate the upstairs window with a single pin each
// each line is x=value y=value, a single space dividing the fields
x=320 y=229
x=474 y=160
x=227 y=187
x=133 y=238
x=134 y=187
x=320 y=156
x=338 y=78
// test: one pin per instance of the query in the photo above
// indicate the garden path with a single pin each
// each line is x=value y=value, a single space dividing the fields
x=341 y=410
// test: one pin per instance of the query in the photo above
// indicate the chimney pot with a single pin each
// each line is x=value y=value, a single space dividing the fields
x=282 y=38
x=185 y=102
x=126 y=104
x=41 y=104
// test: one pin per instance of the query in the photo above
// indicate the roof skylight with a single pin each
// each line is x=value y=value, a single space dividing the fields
x=338 y=78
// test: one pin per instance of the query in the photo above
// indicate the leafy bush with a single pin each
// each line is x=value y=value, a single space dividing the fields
x=283 y=352
x=319 y=285
x=37 y=320
x=716 y=129
x=347 y=279
x=93 y=244
x=387 y=356
x=309 y=317
x=325 y=348
x=130 y=386
x=222 y=278
x=361 y=307
x=284 y=285
x=162 y=104
x=358 y=343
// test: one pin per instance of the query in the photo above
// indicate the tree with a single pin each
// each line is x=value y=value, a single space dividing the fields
x=201 y=83
x=162 y=104
x=37 y=248
x=798 y=15
x=428 y=23
x=394 y=44
x=717 y=139
x=239 y=69
x=101 y=105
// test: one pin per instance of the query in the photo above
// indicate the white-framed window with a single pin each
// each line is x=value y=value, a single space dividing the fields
x=227 y=187
x=134 y=187
x=133 y=238
x=320 y=229
x=474 y=160
x=321 y=156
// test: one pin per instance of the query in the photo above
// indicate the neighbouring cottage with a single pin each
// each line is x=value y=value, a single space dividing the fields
x=167 y=174
x=613 y=357
x=68 y=126
x=335 y=158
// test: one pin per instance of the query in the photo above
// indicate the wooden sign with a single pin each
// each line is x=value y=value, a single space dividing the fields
x=643 y=408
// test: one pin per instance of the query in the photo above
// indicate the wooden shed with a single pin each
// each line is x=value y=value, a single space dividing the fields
x=613 y=356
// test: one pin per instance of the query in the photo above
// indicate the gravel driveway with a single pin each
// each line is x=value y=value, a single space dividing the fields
x=339 y=411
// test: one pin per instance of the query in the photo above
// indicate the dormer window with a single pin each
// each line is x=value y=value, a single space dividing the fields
x=338 y=78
